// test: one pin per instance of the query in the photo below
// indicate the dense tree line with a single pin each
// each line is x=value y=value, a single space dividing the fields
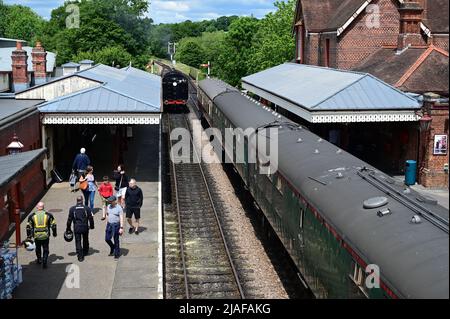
x=119 y=32
x=249 y=45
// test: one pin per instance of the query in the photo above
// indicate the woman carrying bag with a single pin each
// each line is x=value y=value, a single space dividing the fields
x=89 y=187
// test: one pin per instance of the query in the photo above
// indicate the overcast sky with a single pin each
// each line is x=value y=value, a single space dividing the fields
x=166 y=11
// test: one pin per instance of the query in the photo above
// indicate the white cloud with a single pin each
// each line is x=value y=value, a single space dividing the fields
x=163 y=11
x=171 y=11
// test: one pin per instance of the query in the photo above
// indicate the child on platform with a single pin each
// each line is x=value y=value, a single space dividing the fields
x=106 y=191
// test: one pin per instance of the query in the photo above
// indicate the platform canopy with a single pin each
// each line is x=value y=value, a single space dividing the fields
x=118 y=96
x=325 y=95
x=99 y=105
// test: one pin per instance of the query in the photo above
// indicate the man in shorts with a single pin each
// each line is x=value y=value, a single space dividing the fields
x=133 y=203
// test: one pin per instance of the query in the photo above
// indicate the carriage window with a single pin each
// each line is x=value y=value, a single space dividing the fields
x=302 y=217
x=279 y=184
x=6 y=202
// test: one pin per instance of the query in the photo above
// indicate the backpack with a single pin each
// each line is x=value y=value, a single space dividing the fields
x=41 y=229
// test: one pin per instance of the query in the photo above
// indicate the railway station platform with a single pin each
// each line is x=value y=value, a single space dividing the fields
x=440 y=195
x=138 y=274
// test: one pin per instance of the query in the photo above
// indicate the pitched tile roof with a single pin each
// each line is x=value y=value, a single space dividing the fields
x=437 y=16
x=416 y=69
x=323 y=15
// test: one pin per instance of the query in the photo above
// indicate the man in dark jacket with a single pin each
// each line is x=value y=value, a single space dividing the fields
x=133 y=203
x=81 y=163
x=82 y=218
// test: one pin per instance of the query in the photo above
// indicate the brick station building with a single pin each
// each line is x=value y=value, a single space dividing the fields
x=22 y=178
x=402 y=42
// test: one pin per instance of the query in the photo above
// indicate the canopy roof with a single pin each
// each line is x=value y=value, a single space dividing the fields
x=328 y=95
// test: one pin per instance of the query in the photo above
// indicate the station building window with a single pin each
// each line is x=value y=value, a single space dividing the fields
x=279 y=184
x=302 y=218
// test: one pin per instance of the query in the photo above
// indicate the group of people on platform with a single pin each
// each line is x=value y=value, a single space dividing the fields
x=125 y=199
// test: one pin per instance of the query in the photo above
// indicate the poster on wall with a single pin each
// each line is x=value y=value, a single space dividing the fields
x=440 y=144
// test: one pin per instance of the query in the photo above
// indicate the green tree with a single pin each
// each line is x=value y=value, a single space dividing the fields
x=232 y=62
x=20 y=22
x=273 y=44
x=113 y=56
x=190 y=53
x=3 y=13
x=104 y=24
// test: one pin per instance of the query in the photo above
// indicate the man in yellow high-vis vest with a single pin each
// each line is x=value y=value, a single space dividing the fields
x=40 y=223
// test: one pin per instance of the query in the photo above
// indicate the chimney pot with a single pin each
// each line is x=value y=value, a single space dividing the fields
x=19 y=66
x=411 y=15
x=39 y=59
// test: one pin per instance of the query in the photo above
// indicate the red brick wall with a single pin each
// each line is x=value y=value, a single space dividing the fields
x=333 y=50
x=359 y=41
x=28 y=131
x=31 y=182
x=31 y=185
x=434 y=175
x=4 y=217
x=312 y=49
x=441 y=41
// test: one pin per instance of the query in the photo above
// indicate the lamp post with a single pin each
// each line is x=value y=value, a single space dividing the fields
x=425 y=123
x=425 y=126
x=15 y=147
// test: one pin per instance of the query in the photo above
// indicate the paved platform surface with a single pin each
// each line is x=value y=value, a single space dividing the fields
x=137 y=274
x=441 y=195
x=134 y=276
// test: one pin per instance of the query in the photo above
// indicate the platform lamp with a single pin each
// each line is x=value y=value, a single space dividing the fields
x=425 y=128
x=425 y=123
x=15 y=147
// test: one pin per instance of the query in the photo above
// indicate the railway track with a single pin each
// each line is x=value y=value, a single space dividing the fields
x=197 y=252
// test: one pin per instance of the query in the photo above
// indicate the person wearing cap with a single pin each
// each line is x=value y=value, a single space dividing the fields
x=81 y=163
x=82 y=219
x=114 y=227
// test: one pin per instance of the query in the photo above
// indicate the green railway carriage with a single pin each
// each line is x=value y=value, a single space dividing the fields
x=315 y=203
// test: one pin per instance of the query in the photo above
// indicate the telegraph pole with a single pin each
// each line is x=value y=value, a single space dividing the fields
x=172 y=49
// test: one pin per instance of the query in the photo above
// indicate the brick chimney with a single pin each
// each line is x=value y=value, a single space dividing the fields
x=19 y=59
x=39 y=59
x=411 y=16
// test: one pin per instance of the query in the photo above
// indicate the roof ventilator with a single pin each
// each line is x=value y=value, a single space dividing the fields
x=384 y=212
x=416 y=220
x=375 y=202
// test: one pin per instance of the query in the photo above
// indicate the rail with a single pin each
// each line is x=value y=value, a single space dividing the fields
x=186 y=213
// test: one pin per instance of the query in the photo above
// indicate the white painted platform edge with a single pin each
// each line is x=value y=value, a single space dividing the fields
x=160 y=223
